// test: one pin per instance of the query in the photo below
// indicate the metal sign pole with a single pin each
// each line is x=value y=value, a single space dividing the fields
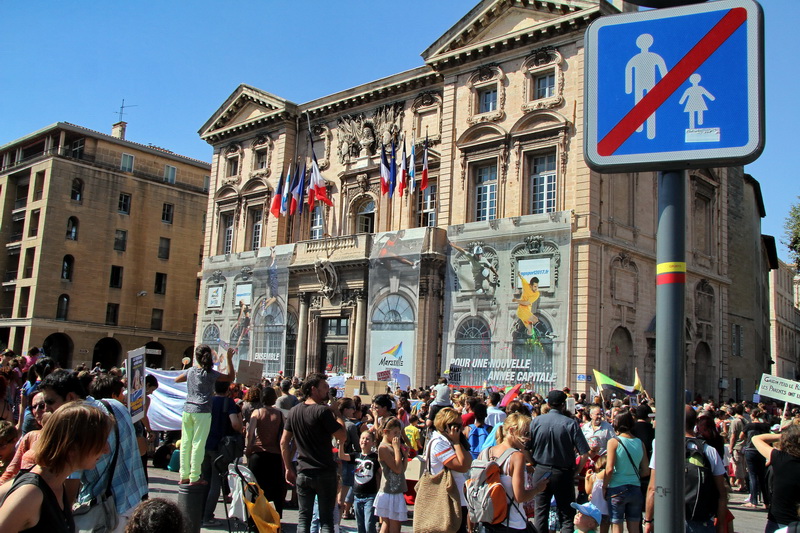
x=670 y=362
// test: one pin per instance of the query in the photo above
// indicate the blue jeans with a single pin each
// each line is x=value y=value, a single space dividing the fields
x=322 y=486
x=365 y=514
x=757 y=470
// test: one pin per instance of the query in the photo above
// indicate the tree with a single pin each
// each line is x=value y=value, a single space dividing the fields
x=791 y=233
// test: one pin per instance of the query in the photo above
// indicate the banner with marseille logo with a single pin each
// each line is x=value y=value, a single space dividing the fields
x=393 y=312
x=506 y=302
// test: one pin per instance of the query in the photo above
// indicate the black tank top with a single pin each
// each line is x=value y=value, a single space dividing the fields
x=52 y=519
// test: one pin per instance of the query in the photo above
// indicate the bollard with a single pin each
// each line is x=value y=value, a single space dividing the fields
x=191 y=499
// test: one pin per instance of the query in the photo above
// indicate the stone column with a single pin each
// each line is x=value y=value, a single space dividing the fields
x=301 y=356
x=359 y=347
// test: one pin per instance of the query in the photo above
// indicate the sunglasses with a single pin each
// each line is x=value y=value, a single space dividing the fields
x=50 y=401
x=38 y=406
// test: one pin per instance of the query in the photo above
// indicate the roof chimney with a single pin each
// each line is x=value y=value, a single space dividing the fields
x=118 y=130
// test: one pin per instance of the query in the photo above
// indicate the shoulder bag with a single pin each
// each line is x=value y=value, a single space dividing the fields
x=442 y=501
x=100 y=514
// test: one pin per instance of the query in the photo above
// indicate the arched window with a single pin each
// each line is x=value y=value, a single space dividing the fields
x=72 y=229
x=63 y=307
x=365 y=217
x=473 y=341
x=77 y=190
x=66 y=267
x=393 y=313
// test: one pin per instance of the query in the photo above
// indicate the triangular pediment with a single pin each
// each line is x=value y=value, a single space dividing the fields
x=491 y=20
x=245 y=107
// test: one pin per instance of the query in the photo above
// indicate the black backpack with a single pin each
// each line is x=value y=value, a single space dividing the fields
x=702 y=495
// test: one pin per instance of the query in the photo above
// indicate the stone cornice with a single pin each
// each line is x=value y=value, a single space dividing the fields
x=371 y=93
x=223 y=134
x=533 y=35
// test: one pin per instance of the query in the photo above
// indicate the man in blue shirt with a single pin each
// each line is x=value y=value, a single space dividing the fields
x=556 y=441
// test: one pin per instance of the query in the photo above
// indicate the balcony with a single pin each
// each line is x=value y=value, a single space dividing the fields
x=354 y=247
x=14 y=238
x=20 y=203
x=11 y=276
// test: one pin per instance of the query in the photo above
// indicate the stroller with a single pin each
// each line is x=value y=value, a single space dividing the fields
x=249 y=503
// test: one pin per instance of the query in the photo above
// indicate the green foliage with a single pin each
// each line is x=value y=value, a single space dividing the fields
x=791 y=233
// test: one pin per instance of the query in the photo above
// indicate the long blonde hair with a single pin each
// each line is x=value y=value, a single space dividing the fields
x=519 y=422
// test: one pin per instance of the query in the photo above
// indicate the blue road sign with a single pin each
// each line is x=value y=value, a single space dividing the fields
x=675 y=88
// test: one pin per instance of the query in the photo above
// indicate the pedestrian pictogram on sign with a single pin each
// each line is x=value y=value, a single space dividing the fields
x=680 y=87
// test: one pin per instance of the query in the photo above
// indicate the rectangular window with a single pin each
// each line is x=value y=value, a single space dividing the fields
x=120 y=240
x=127 y=163
x=161 y=283
x=316 y=222
x=163 y=248
x=261 y=159
x=545 y=85
x=206 y=183
x=487 y=99
x=543 y=184
x=737 y=340
x=233 y=166
x=112 y=314
x=486 y=192
x=426 y=206
x=166 y=213
x=116 y=277
x=156 y=321
x=124 y=204
x=227 y=234
x=256 y=217
x=77 y=148
x=169 y=173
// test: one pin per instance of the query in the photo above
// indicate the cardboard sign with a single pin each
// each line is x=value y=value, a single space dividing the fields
x=364 y=388
x=249 y=372
x=779 y=388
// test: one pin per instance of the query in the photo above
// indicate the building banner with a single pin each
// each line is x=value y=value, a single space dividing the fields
x=393 y=297
x=507 y=302
x=246 y=308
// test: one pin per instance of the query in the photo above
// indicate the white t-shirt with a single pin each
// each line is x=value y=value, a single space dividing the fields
x=717 y=468
x=441 y=451
x=442 y=391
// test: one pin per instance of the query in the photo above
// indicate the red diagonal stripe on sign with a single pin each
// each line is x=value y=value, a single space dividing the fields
x=732 y=20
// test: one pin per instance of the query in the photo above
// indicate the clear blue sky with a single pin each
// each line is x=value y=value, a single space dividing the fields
x=177 y=61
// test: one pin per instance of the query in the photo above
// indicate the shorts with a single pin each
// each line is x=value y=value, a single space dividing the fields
x=625 y=503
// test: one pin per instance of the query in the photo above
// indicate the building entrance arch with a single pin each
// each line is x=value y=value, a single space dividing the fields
x=107 y=352
x=154 y=360
x=59 y=346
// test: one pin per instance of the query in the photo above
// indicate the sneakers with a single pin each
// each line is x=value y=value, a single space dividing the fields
x=212 y=522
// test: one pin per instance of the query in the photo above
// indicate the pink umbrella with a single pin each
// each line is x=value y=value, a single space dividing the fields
x=511 y=395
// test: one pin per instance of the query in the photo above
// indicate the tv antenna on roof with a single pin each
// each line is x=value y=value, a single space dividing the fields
x=122 y=109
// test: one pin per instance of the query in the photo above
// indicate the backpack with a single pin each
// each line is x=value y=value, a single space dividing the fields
x=487 y=500
x=477 y=438
x=702 y=495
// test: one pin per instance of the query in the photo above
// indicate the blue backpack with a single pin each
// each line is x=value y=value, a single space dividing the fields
x=477 y=438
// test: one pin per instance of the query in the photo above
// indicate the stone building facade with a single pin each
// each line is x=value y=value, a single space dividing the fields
x=429 y=282
x=103 y=241
x=784 y=317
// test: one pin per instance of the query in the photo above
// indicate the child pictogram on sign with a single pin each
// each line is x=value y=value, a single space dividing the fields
x=695 y=98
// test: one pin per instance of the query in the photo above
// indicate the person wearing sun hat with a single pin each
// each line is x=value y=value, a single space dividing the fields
x=588 y=517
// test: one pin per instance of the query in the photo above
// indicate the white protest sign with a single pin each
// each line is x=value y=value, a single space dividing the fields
x=779 y=388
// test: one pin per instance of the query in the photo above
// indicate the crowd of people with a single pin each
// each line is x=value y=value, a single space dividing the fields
x=566 y=462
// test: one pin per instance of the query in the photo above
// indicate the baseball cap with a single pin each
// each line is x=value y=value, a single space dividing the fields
x=643 y=411
x=556 y=397
x=589 y=509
